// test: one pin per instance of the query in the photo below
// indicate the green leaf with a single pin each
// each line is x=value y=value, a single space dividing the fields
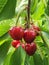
x=46 y=38
x=29 y=60
x=21 y=6
x=37 y=59
x=8 y=57
x=47 y=8
x=33 y=5
x=5 y=25
x=45 y=27
x=9 y=10
x=4 y=38
x=18 y=57
x=26 y=62
x=45 y=61
x=2 y=4
x=39 y=11
x=3 y=51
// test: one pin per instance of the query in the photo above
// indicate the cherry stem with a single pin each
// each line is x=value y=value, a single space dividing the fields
x=18 y=15
x=17 y=19
x=28 y=13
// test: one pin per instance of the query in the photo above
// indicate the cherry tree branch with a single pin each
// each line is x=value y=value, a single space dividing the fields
x=28 y=13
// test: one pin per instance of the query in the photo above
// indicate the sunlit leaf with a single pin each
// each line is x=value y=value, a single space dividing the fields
x=5 y=26
x=39 y=11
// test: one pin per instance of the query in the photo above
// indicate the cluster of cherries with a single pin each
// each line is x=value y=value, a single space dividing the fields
x=28 y=35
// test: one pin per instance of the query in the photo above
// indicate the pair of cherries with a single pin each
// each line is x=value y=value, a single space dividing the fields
x=29 y=48
x=17 y=33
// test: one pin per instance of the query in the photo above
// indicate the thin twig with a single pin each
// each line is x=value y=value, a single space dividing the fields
x=28 y=13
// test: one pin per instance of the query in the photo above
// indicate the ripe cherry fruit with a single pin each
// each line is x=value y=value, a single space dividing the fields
x=29 y=35
x=16 y=33
x=15 y=43
x=37 y=29
x=30 y=48
x=33 y=47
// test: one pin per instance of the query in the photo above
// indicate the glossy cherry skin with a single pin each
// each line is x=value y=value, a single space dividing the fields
x=15 y=43
x=23 y=45
x=16 y=33
x=30 y=48
x=29 y=35
x=33 y=47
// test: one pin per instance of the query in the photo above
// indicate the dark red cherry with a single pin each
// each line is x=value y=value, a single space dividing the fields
x=33 y=47
x=29 y=35
x=16 y=33
x=30 y=48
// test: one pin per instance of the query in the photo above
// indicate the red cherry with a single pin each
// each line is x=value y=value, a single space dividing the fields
x=36 y=28
x=30 y=48
x=33 y=47
x=16 y=33
x=18 y=45
x=15 y=43
x=23 y=46
x=29 y=35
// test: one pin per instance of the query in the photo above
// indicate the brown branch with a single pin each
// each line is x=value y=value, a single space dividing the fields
x=28 y=13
